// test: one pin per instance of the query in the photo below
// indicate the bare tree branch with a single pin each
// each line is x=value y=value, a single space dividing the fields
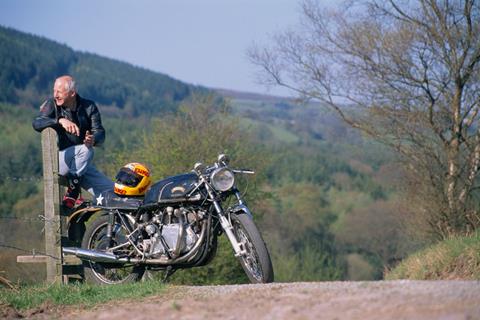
x=404 y=72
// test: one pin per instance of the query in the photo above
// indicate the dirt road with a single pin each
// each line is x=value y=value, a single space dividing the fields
x=323 y=300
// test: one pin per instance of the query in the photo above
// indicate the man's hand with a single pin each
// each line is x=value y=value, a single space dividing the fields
x=69 y=126
x=89 y=139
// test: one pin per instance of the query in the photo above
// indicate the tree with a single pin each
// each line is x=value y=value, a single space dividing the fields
x=406 y=73
x=202 y=129
x=376 y=231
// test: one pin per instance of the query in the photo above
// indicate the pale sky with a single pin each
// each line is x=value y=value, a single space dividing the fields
x=201 y=42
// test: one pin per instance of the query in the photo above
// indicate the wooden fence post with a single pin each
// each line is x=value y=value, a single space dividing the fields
x=56 y=233
x=52 y=198
x=52 y=211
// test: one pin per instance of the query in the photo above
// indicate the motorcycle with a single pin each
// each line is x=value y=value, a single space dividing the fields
x=174 y=226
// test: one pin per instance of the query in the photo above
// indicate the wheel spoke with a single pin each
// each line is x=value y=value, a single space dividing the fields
x=104 y=272
x=250 y=259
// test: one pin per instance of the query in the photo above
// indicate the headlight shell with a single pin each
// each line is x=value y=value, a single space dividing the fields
x=222 y=179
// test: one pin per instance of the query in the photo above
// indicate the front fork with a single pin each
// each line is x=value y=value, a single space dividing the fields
x=238 y=247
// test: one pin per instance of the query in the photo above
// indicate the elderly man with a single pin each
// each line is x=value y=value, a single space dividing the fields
x=79 y=128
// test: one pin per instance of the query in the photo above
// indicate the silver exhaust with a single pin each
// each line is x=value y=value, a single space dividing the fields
x=105 y=257
x=94 y=255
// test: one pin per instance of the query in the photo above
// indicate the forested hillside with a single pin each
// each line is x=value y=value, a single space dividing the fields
x=29 y=65
x=323 y=196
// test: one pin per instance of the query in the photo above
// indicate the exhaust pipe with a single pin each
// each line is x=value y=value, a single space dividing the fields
x=93 y=255
x=105 y=257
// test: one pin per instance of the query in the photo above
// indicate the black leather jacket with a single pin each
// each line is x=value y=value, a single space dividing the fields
x=86 y=117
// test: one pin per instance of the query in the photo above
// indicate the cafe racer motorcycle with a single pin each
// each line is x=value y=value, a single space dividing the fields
x=174 y=224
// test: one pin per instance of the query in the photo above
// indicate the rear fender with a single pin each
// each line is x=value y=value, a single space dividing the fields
x=82 y=215
x=76 y=224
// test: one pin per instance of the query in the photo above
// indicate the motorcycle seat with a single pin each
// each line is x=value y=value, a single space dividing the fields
x=110 y=200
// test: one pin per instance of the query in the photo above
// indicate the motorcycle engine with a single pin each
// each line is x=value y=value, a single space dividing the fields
x=172 y=237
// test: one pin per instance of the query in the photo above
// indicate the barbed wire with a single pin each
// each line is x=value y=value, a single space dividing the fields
x=21 y=179
x=39 y=217
x=34 y=252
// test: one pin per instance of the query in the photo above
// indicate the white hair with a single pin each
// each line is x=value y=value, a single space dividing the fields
x=69 y=83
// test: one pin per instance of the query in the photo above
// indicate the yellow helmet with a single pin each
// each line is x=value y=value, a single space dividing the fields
x=133 y=179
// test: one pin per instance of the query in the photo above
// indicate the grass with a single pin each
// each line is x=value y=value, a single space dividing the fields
x=452 y=259
x=278 y=132
x=76 y=294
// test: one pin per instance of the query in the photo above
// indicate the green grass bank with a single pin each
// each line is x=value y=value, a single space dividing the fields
x=452 y=259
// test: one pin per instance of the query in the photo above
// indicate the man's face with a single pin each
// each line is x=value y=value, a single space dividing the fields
x=61 y=95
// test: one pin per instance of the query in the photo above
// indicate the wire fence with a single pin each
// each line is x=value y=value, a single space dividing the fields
x=33 y=252
x=21 y=179
x=22 y=236
x=8 y=241
x=40 y=218
x=22 y=232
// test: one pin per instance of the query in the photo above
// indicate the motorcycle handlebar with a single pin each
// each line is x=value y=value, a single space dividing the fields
x=244 y=171
x=208 y=170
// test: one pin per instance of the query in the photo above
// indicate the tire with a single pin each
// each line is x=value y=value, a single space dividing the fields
x=256 y=262
x=105 y=273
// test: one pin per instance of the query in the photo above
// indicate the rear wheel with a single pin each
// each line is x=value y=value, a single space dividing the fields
x=256 y=261
x=95 y=238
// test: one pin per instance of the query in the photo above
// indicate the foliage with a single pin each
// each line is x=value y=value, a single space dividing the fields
x=20 y=167
x=315 y=189
x=375 y=230
x=172 y=145
x=457 y=258
x=132 y=90
x=309 y=263
x=30 y=65
x=296 y=223
x=319 y=188
x=306 y=189
x=29 y=297
x=199 y=132
x=406 y=73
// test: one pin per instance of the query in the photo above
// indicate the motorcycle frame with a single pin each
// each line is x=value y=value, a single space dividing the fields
x=205 y=247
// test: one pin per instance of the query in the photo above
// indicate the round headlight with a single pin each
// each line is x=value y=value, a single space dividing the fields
x=222 y=179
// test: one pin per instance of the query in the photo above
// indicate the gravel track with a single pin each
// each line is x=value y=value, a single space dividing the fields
x=321 y=300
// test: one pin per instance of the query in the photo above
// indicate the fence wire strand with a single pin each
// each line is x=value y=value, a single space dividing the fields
x=21 y=179
x=39 y=217
x=34 y=252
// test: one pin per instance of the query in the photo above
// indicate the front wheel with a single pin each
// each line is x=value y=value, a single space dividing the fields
x=95 y=238
x=256 y=261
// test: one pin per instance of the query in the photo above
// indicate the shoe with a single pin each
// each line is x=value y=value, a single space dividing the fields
x=80 y=200
x=68 y=202
x=71 y=202
x=73 y=191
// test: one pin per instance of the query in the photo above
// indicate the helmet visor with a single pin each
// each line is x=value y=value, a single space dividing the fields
x=128 y=178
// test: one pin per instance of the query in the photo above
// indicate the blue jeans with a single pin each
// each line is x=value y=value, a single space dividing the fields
x=78 y=160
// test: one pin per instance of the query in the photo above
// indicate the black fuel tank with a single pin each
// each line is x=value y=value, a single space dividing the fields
x=172 y=189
